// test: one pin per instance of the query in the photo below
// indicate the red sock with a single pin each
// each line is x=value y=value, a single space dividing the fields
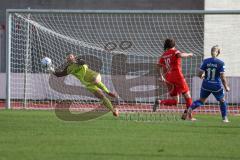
x=188 y=102
x=169 y=102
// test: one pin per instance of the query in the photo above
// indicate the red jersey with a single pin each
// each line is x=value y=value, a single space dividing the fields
x=172 y=64
x=172 y=68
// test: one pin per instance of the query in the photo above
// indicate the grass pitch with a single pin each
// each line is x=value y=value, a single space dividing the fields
x=40 y=135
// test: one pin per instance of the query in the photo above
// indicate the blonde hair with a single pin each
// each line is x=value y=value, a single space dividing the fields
x=215 y=51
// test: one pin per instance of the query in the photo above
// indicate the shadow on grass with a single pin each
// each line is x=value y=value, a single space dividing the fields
x=160 y=155
x=67 y=115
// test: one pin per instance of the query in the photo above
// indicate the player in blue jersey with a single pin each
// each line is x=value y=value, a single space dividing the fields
x=212 y=71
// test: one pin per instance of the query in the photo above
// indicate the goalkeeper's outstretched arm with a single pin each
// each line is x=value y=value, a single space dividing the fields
x=60 y=73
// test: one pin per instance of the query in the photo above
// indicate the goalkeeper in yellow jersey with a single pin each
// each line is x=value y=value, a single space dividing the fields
x=89 y=78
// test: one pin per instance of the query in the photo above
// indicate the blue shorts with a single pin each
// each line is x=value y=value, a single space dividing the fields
x=217 y=94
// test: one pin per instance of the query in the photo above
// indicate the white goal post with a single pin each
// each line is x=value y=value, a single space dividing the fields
x=122 y=45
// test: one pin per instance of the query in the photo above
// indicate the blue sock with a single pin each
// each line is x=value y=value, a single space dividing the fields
x=196 y=104
x=223 y=108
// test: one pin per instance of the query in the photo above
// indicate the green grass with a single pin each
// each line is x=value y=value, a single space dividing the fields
x=40 y=135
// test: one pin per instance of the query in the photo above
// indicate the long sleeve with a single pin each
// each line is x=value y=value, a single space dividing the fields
x=61 y=73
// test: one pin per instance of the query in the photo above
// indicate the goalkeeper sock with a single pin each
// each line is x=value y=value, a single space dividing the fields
x=188 y=102
x=107 y=103
x=223 y=108
x=102 y=87
x=196 y=104
x=169 y=102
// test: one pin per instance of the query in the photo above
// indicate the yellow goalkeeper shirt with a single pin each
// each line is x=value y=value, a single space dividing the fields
x=82 y=72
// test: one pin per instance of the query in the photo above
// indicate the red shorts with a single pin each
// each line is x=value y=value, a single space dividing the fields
x=177 y=86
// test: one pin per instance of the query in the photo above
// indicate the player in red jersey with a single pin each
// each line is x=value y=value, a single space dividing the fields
x=170 y=71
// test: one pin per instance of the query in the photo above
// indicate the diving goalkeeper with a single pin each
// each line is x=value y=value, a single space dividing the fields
x=89 y=78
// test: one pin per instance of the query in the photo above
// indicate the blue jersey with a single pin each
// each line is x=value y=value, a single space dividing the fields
x=213 y=68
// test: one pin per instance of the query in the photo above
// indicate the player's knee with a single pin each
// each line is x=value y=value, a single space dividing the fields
x=98 y=94
x=176 y=99
x=98 y=79
x=221 y=100
x=202 y=100
x=187 y=95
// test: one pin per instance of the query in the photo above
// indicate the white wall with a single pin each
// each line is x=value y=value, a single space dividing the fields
x=223 y=30
x=222 y=4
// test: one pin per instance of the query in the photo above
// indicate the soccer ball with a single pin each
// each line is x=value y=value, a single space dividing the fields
x=46 y=62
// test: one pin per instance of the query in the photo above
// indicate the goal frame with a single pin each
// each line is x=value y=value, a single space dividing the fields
x=9 y=13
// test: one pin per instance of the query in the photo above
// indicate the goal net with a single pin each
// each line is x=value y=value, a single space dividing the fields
x=124 y=46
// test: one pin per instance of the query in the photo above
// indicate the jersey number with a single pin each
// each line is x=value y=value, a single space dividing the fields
x=167 y=62
x=211 y=72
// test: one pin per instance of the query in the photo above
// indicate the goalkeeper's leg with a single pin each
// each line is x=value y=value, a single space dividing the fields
x=105 y=101
x=103 y=87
